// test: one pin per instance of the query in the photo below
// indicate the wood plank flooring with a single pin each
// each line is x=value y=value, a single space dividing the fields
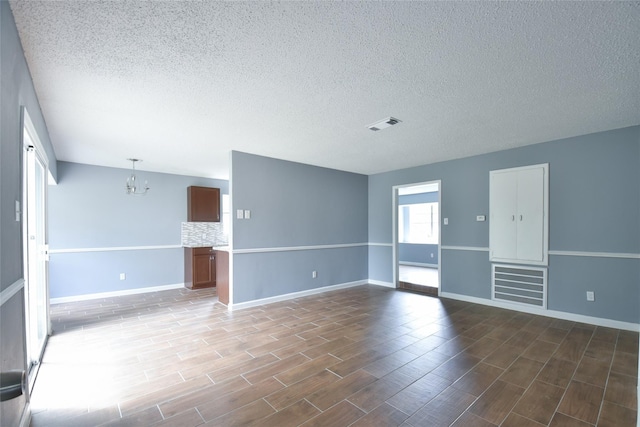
x=364 y=356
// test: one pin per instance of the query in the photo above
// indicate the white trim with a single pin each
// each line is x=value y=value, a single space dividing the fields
x=395 y=191
x=381 y=283
x=297 y=248
x=629 y=255
x=294 y=295
x=465 y=248
x=380 y=244
x=544 y=284
x=25 y=419
x=113 y=248
x=10 y=291
x=598 y=321
x=418 y=264
x=123 y=292
x=545 y=214
x=596 y=254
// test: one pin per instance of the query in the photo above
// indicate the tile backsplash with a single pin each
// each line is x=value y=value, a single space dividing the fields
x=199 y=234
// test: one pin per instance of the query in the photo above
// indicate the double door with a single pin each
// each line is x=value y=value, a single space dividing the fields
x=519 y=215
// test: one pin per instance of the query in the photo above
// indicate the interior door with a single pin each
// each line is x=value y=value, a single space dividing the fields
x=36 y=254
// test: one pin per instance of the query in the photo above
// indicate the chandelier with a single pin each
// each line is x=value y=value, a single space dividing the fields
x=132 y=186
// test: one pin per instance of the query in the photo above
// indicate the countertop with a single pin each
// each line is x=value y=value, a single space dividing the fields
x=215 y=248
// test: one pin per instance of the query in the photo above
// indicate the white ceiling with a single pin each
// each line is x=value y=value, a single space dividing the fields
x=181 y=83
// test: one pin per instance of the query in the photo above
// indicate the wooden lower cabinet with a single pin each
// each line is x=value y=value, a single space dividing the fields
x=222 y=276
x=199 y=268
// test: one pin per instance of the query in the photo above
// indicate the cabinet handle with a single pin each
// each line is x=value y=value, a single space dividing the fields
x=520 y=217
x=513 y=217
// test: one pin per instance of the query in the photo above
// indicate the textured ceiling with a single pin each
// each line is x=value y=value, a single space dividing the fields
x=181 y=83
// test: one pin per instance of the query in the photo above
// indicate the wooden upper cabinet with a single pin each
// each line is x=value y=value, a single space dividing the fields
x=203 y=204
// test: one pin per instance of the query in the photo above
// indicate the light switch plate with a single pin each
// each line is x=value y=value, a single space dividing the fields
x=481 y=218
x=247 y=214
x=446 y=221
x=240 y=214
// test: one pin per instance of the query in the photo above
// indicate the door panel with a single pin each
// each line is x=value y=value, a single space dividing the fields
x=530 y=215
x=502 y=232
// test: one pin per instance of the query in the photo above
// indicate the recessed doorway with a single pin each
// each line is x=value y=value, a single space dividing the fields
x=417 y=237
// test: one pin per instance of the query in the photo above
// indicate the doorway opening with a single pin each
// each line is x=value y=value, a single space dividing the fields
x=416 y=242
x=35 y=173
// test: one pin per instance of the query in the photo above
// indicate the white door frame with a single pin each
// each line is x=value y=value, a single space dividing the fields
x=33 y=147
x=395 y=190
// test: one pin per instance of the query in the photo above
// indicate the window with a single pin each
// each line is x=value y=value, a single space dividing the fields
x=419 y=223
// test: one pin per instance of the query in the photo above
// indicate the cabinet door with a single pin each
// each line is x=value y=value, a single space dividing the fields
x=203 y=270
x=530 y=216
x=503 y=207
x=203 y=204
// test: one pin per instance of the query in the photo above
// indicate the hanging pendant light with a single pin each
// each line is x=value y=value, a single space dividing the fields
x=132 y=186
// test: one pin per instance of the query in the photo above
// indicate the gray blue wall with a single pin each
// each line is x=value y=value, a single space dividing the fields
x=606 y=164
x=294 y=209
x=89 y=210
x=418 y=253
x=16 y=90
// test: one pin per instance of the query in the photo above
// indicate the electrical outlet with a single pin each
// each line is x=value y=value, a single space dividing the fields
x=122 y=276
x=314 y=274
x=591 y=296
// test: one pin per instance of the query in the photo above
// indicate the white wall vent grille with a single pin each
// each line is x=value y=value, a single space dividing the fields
x=521 y=285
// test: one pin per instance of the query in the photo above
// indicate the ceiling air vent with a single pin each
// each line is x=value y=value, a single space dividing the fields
x=385 y=123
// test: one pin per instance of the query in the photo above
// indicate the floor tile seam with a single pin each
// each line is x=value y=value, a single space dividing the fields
x=531 y=385
x=398 y=409
x=572 y=379
x=604 y=392
x=499 y=379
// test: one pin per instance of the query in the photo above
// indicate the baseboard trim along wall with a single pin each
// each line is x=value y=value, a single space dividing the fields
x=112 y=248
x=381 y=283
x=10 y=291
x=464 y=248
x=596 y=254
x=556 y=253
x=297 y=248
x=598 y=321
x=294 y=295
x=86 y=297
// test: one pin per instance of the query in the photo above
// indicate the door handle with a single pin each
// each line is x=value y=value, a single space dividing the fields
x=12 y=384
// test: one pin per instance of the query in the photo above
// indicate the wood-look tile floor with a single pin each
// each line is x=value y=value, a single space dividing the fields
x=364 y=356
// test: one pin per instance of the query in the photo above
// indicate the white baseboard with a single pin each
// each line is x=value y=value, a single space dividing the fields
x=381 y=283
x=294 y=295
x=418 y=264
x=86 y=297
x=598 y=321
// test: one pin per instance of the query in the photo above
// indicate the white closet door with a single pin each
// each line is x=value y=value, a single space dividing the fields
x=530 y=216
x=503 y=205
